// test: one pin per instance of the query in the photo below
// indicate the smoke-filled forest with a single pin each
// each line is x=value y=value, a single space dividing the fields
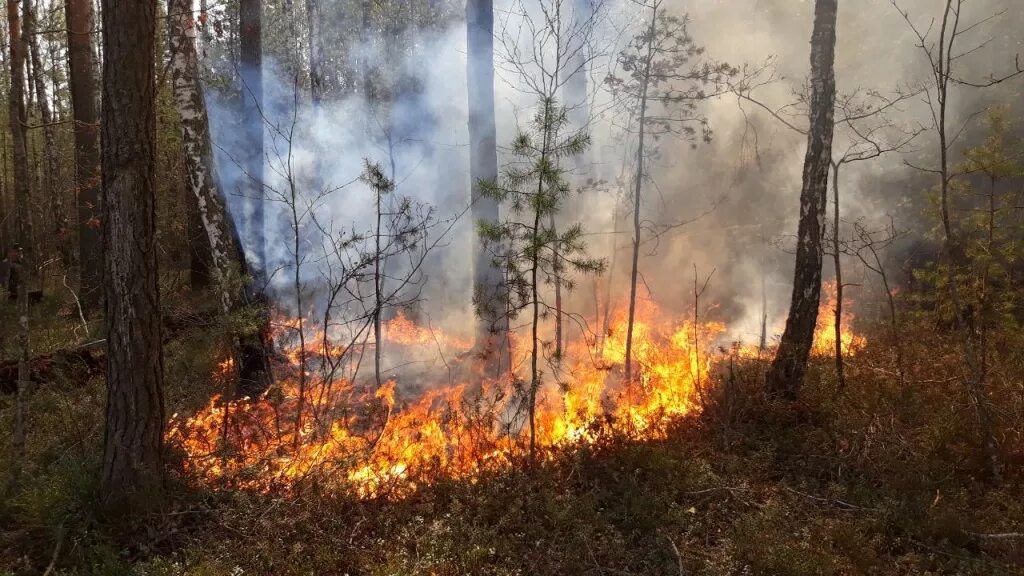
x=511 y=287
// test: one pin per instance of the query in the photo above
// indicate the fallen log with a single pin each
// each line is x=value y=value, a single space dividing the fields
x=73 y=364
x=80 y=363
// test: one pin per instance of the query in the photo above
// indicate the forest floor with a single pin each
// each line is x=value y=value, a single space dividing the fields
x=882 y=477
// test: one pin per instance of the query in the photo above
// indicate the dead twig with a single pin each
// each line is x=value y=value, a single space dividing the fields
x=840 y=503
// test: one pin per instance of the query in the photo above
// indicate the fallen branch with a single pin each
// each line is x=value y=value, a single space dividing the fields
x=997 y=536
x=716 y=489
x=56 y=552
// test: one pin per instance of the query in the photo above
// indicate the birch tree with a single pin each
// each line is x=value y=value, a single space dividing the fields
x=786 y=374
x=226 y=253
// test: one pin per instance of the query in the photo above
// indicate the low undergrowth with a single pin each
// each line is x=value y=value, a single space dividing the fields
x=883 y=476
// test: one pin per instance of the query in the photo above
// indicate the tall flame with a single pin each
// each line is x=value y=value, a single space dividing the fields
x=825 y=331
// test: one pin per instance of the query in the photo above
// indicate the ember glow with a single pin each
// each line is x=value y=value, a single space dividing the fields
x=388 y=441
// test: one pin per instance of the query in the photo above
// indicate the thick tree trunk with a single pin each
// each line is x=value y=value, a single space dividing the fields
x=82 y=82
x=225 y=250
x=251 y=69
x=51 y=165
x=132 y=455
x=786 y=374
x=483 y=167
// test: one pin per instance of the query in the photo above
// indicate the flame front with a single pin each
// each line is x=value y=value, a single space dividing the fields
x=370 y=440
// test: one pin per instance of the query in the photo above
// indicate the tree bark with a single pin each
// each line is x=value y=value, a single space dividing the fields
x=199 y=256
x=314 y=18
x=492 y=333
x=251 y=70
x=82 y=82
x=225 y=252
x=132 y=456
x=786 y=374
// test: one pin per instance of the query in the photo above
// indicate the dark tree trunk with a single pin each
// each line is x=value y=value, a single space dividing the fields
x=82 y=82
x=18 y=120
x=132 y=455
x=483 y=167
x=786 y=374
x=51 y=166
x=251 y=69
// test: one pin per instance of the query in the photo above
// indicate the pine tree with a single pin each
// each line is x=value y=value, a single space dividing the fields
x=525 y=245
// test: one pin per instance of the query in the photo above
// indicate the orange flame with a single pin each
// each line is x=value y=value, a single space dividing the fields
x=825 y=331
x=375 y=442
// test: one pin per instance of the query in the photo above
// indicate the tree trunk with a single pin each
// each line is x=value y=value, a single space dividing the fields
x=786 y=374
x=18 y=120
x=225 y=250
x=953 y=248
x=638 y=188
x=574 y=92
x=82 y=82
x=492 y=333
x=837 y=261
x=251 y=69
x=132 y=456
x=314 y=18
x=51 y=166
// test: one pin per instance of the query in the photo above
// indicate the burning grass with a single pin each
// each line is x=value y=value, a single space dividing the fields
x=345 y=433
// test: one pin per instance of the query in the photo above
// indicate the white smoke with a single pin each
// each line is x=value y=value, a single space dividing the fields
x=753 y=190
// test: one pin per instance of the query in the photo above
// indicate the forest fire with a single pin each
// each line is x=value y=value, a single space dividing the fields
x=825 y=331
x=382 y=442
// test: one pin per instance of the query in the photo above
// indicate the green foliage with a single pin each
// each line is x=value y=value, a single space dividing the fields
x=662 y=65
x=989 y=242
x=534 y=188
